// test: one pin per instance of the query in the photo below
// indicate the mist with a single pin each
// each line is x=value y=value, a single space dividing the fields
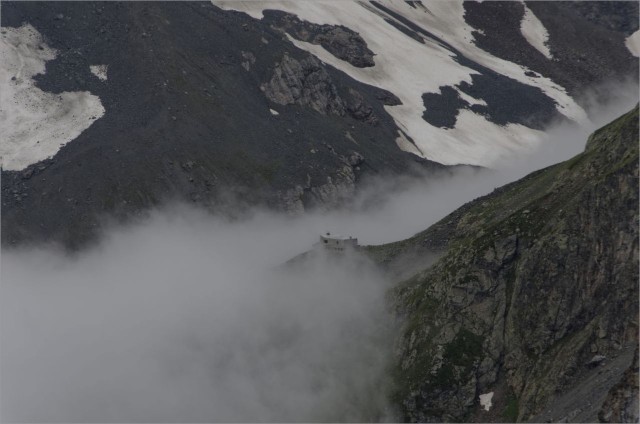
x=187 y=317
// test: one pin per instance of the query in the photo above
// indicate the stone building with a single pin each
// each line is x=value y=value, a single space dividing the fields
x=337 y=243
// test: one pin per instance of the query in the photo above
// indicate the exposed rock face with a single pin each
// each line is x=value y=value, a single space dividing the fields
x=339 y=188
x=305 y=83
x=360 y=110
x=621 y=405
x=340 y=41
x=538 y=278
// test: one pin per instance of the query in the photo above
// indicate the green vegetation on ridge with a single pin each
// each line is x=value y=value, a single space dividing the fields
x=506 y=302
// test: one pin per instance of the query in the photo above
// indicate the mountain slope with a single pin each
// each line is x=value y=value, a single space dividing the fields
x=110 y=109
x=467 y=73
x=537 y=285
x=571 y=29
x=186 y=117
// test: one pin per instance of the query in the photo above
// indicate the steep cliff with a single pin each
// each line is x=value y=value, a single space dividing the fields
x=535 y=295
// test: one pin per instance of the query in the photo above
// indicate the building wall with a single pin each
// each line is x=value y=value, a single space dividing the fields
x=338 y=244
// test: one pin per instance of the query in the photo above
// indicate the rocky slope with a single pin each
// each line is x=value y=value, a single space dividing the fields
x=572 y=28
x=475 y=79
x=110 y=108
x=201 y=105
x=532 y=302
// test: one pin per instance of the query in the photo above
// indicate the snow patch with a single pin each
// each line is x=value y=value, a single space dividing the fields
x=35 y=124
x=534 y=32
x=404 y=144
x=99 y=71
x=481 y=141
x=485 y=400
x=408 y=69
x=471 y=100
x=633 y=43
x=274 y=112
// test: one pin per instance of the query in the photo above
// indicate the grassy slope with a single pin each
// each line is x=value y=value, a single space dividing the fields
x=537 y=192
x=466 y=314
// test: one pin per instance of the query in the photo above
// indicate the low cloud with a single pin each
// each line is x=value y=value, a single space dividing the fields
x=187 y=317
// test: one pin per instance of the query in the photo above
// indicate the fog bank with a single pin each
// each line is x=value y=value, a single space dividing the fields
x=183 y=319
x=187 y=317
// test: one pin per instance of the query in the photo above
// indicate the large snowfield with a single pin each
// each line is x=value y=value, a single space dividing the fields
x=36 y=124
x=409 y=69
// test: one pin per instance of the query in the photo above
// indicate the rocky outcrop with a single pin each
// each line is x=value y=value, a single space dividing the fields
x=304 y=82
x=340 y=41
x=360 y=110
x=537 y=279
x=248 y=60
x=388 y=98
x=337 y=189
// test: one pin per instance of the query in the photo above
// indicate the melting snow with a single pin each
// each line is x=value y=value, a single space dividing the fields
x=35 y=124
x=405 y=144
x=485 y=400
x=633 y=43
x=408 y=69
x=471 y=100
x=535 y=33
x=100 y=71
